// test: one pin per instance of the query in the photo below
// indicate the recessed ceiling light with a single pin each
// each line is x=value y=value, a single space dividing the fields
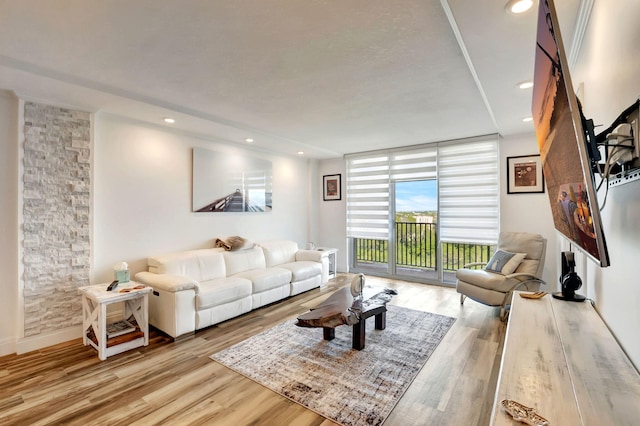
x=527 y=119
x=518 y=6
x=169 y=120
x=525 y=84
x=300 y=152
x=248 y=140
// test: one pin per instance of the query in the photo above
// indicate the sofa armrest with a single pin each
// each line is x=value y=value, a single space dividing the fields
x=167 y=282
x=312 y=255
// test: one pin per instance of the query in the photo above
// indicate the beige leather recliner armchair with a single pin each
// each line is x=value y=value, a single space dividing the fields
x=516 y=265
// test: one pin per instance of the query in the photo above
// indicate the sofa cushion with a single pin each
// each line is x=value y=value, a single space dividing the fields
x=302 y=270
x=222 y=290
x=278 y=252
x=523 y=242
x=528 y=267
x=243 y=260
x=201 y=265
x=266 y=279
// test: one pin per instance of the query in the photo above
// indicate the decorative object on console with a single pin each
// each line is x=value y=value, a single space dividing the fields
x=536 y=295
x=331 y=187
x=522 y=413
x=569 y=279
x=524 y=175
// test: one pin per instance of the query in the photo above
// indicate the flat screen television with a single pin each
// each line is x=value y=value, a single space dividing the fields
x=566 y=143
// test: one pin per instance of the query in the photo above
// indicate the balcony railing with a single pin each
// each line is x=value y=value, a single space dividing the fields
x=417 y=247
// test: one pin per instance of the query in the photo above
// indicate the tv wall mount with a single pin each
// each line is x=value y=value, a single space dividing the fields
x=621 y=147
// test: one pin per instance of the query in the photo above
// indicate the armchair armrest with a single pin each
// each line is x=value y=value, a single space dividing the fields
x=312 y=255
x=474 y=264
x=529 y=277
x=167 y=282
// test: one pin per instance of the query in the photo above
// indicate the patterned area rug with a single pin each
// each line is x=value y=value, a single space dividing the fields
x=347 y=386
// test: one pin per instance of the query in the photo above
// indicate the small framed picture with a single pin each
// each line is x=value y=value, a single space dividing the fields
x=524 y=175
x=331 y=187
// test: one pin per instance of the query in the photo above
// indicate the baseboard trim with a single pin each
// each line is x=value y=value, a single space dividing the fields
x=33 y=343
x=7 y=346
x=10 y=346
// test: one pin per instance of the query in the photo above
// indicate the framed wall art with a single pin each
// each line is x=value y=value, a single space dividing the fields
x=524 y=175
x=331 y=187
x=230 y=183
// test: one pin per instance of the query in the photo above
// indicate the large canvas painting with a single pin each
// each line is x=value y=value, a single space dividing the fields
x=230 y=183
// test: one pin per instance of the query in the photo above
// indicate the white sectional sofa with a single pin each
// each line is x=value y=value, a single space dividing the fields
x=199 y=288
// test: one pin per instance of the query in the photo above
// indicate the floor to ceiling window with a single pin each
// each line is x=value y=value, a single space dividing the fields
x=420 y=213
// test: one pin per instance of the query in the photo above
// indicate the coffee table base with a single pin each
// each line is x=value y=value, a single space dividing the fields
x=359 y=328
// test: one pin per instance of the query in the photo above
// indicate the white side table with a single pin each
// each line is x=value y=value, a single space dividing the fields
x=95 y=299
x=331 y=255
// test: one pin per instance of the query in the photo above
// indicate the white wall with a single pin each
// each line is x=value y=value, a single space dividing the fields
x=609 y=67
x=8 y=222
x=332 y=215
x=142 y=197
x=528 y=212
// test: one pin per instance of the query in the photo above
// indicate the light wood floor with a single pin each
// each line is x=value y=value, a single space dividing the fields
x=175 y=383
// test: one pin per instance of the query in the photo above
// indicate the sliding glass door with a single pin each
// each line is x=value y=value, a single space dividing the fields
x=422 y=213
x=412 y=247
x=415 y=229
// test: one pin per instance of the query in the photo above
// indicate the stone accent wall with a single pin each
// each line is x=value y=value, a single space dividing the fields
x=56 y=212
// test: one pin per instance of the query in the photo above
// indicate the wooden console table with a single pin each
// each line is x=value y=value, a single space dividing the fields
x=560 y=358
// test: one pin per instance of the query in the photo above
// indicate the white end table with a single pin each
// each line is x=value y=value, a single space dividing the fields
x=95 y=299
x=331 y=255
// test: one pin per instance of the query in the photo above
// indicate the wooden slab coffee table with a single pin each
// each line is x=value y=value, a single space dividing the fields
x=340 y=309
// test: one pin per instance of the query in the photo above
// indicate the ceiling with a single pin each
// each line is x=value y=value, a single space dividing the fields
x=324 y=77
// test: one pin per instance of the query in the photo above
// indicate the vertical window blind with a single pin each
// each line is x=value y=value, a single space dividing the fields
x=469 y=192
x=467 y=174
x=368 y=197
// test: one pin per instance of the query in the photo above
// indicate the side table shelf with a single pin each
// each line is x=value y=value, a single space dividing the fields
x=117 y=340
x=94 y=317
